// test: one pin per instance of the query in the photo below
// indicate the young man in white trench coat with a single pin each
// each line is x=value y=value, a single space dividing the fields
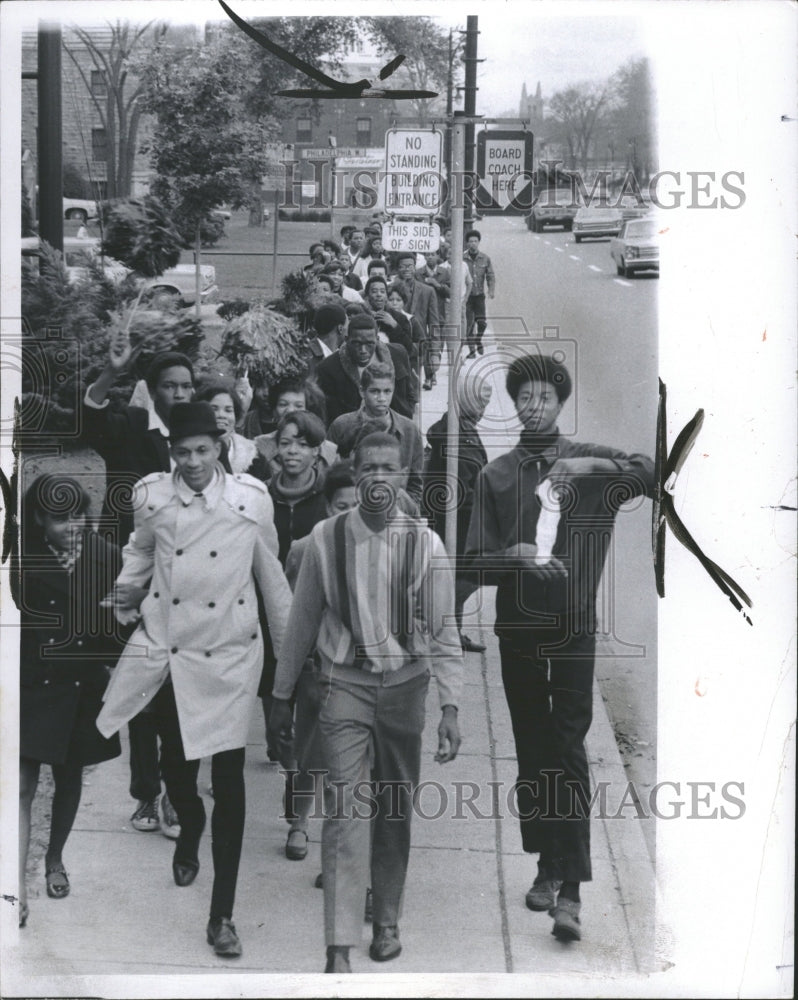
x=201 y=538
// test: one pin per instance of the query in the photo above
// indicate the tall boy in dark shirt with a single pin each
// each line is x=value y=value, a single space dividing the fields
x=540 y=529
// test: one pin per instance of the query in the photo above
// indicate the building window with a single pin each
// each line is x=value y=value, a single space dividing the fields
x=99 y=145
x=98 y=87
x=304 y=130
x=364 y=131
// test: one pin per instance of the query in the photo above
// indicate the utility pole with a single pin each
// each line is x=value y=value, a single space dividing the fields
x=455 y=332
x=447 y=137
x=51 y=205
x=470 y=96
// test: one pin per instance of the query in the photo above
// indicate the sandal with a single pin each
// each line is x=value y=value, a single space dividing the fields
x=296 y=849
x=57 y=882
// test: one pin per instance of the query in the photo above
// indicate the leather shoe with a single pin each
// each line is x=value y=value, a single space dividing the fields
x=543 y=894
x=184 y=871
x=469 y=646
x=385 y=944
x=221 y=933
x=296 y=846
x=338 y=958
x=567 y=926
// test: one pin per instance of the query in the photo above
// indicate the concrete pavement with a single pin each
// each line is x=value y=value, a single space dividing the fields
x=464 y=912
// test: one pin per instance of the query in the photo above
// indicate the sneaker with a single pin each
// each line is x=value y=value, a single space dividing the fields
x=170 y=824
x=427 y=384
x=145 y=818
x=434 y=380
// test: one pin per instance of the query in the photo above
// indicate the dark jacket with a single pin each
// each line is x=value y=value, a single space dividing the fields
x=66 y=643
x=423 y=304
x=338 y=380
x=471 y=459
x=294 y=518
x=506 y=511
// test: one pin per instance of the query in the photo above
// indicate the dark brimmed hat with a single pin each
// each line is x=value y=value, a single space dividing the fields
x=191 y=420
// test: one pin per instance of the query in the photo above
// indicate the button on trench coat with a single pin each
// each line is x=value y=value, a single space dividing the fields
x=200 y=618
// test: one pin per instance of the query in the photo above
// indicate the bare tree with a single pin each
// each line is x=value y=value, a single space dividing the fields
x=118 y=109
x=578 y=110
x=427 y=64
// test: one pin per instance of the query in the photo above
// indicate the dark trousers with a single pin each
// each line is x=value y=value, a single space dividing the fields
x=229 y=802
x=476 y=320
x=551 y=708
x=145 y=778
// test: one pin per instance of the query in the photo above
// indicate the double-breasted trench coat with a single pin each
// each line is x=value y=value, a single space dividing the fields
x=199 y=621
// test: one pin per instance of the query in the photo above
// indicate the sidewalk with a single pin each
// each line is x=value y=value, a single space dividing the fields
x=464 y=909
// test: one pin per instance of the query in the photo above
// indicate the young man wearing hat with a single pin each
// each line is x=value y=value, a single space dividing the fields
x=202 y=537
x=540 y=529
x=133 y=442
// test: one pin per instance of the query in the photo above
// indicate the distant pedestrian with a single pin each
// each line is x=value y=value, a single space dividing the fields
x=68 y=643
x=540 y=529
x=202 y=537
x=482 y=279
x=375 y=596
x=422 y=302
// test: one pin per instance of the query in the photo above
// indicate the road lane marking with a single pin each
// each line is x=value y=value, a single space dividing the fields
x=593 y=267
x=574 y=257
x=620 y=281
x=559 y=250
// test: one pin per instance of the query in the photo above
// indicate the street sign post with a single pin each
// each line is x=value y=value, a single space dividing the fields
x=504 y=170
x=413 y=171
x=422 y=237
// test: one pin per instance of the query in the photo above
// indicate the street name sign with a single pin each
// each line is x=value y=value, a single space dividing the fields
x=422 y=237
x=331 y=152
x=413 y=171
x=504 y=171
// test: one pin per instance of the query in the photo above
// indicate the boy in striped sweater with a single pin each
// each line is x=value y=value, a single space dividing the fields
x=375 y=594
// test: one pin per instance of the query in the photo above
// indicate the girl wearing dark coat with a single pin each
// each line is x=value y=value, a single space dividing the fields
x=68 y=642
x=297 y=492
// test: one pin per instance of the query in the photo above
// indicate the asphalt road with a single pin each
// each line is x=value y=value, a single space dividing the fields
x=568 y=296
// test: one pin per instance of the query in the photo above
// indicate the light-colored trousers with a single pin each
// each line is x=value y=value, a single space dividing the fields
x=371 y=738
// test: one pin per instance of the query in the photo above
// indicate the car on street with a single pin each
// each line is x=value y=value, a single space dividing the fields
x=552 y=208
x=80 y=209
x=636 y=247
x=594 y=221
x=175 y=287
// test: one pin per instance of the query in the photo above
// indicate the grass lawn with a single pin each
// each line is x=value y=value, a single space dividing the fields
x=240 y=272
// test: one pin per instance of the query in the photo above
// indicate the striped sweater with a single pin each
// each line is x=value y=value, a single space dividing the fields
x=379 y=607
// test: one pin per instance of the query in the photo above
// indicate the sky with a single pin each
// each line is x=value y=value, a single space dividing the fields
x=538 y=43
x=557 y=43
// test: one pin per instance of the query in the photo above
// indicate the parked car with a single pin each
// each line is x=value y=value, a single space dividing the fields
x=80 y=209
x=551 y=208
x=174 y=287
x=593 y=221
x=221 y=213
x=636 y=247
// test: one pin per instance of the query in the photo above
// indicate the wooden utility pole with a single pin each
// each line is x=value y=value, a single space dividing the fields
x=51 y=204
x=470 y=97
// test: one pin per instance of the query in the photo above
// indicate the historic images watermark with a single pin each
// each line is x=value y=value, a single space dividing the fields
x=555 y=798
x=432 y=192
